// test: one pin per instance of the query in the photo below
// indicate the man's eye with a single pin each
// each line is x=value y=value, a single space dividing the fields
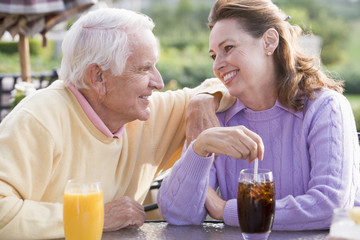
x=213 y=56
x=146 y=68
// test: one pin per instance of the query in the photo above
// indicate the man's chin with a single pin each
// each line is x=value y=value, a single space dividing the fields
x=145 y=115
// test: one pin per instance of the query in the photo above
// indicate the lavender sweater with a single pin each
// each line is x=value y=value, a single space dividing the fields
x=314 y=155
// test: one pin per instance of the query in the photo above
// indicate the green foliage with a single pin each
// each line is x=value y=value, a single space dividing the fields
x=35 y=46
x=354 y=100
x=349 y=69
x=330 y=19
x=357 y=118
x=188 y=67
x=41 y=58
x=349 y=10
x=9 y=63
x=317 y=18
x=351 y=73
x=8 y=47
x=185 y=25
x=183 y=34
x=334 y=32
x=183 y=37
x=21 y=90
x=17 y=99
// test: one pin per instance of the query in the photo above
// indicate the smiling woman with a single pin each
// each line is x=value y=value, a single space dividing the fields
x=238 y=55
x=288 y=113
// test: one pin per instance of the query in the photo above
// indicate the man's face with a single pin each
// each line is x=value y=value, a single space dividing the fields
x=127 y=95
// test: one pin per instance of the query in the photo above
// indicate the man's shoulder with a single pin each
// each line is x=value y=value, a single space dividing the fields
x=50 y=102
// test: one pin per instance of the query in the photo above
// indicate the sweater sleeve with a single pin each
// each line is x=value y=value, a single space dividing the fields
x=26 y=161
x=334 y=168
x=215 y=86
x=181 y=197
x=230 y=210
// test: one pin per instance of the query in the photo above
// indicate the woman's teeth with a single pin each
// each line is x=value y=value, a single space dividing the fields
x=228 y=76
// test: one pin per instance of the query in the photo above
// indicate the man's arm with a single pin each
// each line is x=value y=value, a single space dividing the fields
x=202 y=108
x=201 y=114
x=25 y=167
x=169 y=115
x=123 y=212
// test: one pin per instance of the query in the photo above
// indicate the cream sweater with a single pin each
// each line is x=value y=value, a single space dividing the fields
x=48 y=139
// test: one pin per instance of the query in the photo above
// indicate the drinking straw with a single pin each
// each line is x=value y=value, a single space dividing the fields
x=256 y=168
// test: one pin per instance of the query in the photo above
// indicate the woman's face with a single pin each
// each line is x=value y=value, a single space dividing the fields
x=240 y=60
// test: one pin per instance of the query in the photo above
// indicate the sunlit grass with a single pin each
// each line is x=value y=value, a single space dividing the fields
x=11 y=64
x=354 y=100
x=353 y=46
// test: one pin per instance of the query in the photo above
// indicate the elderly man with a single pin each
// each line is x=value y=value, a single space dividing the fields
x=101 y=122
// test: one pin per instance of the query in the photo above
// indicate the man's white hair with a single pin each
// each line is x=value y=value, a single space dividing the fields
x=102 y=37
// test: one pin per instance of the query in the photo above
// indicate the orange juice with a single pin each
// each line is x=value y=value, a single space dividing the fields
x=83 y=216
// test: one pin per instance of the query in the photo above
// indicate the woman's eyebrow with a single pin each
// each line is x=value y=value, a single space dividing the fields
x=220 y=44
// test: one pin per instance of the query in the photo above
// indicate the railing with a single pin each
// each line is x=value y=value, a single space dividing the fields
x=8 y=81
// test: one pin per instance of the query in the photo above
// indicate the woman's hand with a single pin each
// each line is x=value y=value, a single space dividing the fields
x=236 y=142
x=214 y=204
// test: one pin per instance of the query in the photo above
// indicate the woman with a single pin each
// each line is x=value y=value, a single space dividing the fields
x=285 y=103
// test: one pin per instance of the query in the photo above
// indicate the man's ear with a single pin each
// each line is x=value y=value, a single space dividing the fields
x=94 y=78
x=271 y=41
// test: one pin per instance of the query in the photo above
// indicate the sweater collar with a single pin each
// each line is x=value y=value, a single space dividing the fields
x=239 y=106
x=92 y=115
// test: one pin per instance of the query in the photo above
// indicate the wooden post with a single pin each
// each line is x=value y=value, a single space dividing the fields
x=24 y=51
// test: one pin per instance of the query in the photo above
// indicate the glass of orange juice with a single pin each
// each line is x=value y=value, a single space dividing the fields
x=83 y=210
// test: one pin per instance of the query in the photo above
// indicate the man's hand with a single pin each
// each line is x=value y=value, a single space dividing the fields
x=236 y=142
x=214 y=204
x=123 y=212
x=201 y=115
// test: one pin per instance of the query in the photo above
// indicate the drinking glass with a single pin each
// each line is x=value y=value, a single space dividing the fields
x=256 y=203
x=83 y=210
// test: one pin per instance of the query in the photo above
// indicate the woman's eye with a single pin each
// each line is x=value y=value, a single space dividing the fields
x=228 y=48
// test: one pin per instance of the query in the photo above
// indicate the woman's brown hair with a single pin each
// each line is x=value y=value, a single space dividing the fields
x=299 y=75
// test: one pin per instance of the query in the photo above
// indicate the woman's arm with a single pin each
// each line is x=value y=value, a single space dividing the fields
x=334 y=167
x=182 y=194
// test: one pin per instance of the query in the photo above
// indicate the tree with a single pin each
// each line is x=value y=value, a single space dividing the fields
x=314 y=16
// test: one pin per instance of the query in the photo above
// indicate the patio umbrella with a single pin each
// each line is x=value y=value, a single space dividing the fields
x=29 y=17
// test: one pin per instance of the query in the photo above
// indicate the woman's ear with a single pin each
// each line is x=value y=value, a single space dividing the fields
x=271 y=41
x=94 y=78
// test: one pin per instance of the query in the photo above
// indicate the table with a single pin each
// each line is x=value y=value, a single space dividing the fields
x=208 y=230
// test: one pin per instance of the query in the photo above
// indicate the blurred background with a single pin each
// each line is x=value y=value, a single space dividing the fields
x=183 y=34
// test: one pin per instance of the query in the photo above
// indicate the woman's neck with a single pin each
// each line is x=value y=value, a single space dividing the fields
x=259 y=101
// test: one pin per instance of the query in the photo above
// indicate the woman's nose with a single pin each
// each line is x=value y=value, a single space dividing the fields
x=218 y=63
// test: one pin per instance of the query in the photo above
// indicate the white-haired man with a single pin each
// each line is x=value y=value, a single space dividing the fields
x=101 y=122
